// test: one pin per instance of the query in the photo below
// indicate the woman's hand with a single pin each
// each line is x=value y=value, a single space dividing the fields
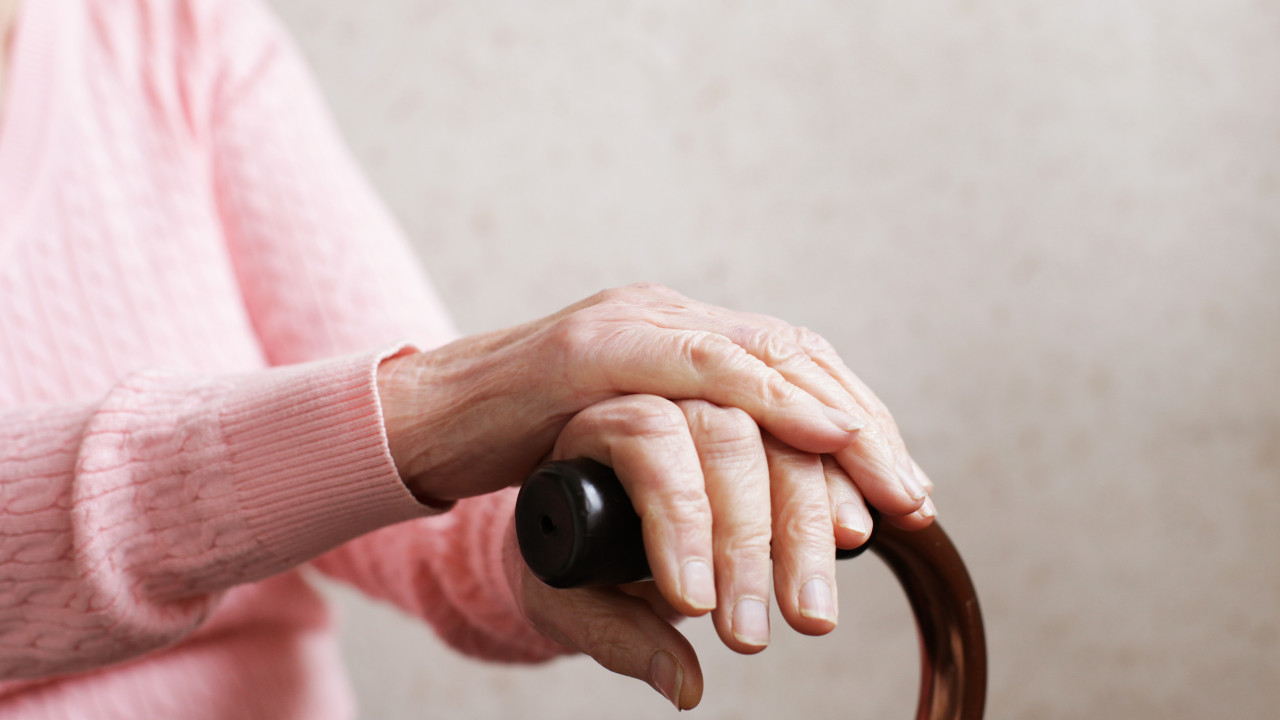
x=723 y=507
x=745 y=444
x=481 y=413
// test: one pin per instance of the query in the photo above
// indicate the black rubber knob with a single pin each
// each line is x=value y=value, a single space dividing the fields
x=577 y=528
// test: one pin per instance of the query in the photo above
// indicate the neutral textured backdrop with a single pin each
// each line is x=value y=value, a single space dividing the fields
x=1048 y=234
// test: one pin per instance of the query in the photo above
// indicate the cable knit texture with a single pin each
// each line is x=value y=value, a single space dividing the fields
x=196 y=288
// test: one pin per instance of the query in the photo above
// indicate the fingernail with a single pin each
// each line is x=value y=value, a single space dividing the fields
x=909 y=481
x=849 y=518
x=842 y=419
x=816 y=600
x=698 y=585
x=751 y=622
x=666 y=676
x=927 y=510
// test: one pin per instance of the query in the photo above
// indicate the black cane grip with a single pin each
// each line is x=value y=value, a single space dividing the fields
x=577 y=528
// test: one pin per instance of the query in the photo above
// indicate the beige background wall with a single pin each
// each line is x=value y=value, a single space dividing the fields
x=1047 y=233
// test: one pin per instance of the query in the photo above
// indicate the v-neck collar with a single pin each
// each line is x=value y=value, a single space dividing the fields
x=30 y=120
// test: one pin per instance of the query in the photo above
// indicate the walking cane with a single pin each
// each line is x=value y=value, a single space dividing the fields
x=577 y=528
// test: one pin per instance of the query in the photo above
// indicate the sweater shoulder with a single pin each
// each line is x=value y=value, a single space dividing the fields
x=177 y=57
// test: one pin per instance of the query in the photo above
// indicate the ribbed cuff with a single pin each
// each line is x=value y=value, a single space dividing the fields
x=310 y=460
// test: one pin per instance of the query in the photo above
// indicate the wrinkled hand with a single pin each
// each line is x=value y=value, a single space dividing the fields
x=722 y=505
x=481 y=413
x=747 y=447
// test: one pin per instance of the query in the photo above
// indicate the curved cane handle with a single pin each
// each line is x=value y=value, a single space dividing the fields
x=576 y=528
x=953 y=646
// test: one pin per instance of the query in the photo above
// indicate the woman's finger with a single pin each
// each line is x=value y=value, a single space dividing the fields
x=917 y=520
x=646 y=440
x=803 y=543
x=879 y=454
x=852 y=520
x=736 y=472
x=621 y=632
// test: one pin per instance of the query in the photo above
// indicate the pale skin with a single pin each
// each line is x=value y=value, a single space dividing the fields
x=749 y=449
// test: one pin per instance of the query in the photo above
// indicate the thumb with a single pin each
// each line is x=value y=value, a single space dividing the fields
x=621 y=632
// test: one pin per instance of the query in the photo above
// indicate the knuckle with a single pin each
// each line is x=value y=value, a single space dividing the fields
x=705 y=350
x=725 y=428
x=750 y=543
x=774 y=388
x=682 y=506
x=650 y=417
x=812 y=342
x=606 y=642
x=874 y=437
x=777 y=349
x=702 y=347
x=804 y=526
x=688 y=504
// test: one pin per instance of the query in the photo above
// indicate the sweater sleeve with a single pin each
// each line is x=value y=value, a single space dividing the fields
x=326 y=270
x=448 y=569
x=123 y=520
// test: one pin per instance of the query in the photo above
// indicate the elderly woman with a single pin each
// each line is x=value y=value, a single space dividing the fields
x=219 y=364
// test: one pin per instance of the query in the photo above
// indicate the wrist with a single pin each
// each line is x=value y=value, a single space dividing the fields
x=471 y=417
x=400 y=379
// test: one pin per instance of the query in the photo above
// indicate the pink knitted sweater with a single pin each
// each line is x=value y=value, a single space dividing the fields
x=196 y=287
